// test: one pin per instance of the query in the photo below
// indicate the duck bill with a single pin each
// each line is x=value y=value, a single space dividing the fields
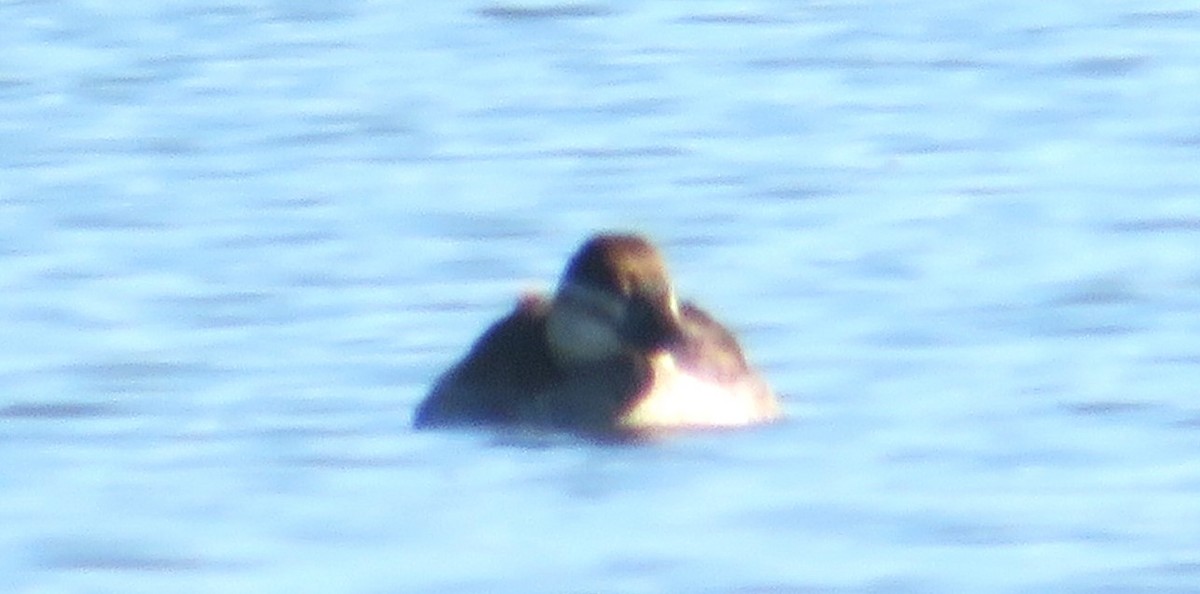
x=652 y=325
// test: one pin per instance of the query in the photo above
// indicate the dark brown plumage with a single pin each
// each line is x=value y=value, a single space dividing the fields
x=613 y=339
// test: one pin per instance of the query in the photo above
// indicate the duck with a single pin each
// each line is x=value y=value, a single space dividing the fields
x=612 y=351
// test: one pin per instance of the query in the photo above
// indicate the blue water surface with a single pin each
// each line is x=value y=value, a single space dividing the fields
x=238 y=240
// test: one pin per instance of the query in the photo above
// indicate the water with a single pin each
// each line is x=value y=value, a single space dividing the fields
x=239 y=240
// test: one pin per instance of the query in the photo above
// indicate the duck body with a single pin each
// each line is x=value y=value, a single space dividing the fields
x=612 y=350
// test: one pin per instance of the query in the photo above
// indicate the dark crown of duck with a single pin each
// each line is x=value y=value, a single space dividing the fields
x=614 y=297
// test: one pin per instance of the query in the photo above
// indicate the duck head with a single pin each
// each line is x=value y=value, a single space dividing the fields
x=614 y=298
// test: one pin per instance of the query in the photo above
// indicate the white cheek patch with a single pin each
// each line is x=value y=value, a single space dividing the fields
x=580 y=338
x=678 y=399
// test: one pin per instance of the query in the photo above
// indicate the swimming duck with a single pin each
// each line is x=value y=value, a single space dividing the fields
x=612 y=350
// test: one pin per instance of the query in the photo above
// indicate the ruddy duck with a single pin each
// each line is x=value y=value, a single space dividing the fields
x=613 y=350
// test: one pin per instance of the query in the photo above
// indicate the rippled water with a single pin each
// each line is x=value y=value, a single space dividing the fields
x=238 y=240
